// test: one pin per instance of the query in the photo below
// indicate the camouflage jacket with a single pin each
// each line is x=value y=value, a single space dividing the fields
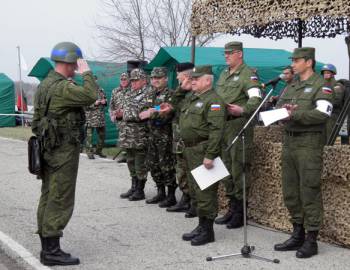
x=160 y=126
x=117 y=101
x=133 y=132
x=95 y=114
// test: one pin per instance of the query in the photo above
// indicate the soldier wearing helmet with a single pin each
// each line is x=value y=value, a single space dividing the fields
x=328 y=72
x=58 y=122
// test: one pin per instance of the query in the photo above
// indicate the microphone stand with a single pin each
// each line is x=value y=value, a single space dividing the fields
x=246 y=250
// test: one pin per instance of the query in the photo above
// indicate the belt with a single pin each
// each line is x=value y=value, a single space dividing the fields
x=301 y=133
x=194 y=143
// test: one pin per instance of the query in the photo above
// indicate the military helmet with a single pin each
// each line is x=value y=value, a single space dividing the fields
x=329 y=67
x=66 y=52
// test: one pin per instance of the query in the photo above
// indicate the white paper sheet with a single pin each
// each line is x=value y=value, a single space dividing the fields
x=206 y=178
x=272 y=116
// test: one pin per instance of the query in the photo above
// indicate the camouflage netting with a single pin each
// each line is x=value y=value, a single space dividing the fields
x=271 y=18
x=265 y=197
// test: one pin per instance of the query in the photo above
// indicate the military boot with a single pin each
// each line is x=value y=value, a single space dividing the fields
x=90 y=156
x=196 y=231
x=127 y=194
x=237 y=218
x=227 y=217
x=53 y=255
x=101 y=155
x=43 y=247
x=170 y=200
x=139 y=194
x=159 y=197
x=182 y=206
x=309 y=247
x=192 y=212
x=295 y=241
x=206 y=234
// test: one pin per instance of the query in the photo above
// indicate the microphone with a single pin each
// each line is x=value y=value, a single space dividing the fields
x=273 y=81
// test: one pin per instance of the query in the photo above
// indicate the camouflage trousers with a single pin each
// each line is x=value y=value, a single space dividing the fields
x=161 y=161
x=301 y=178
x=100 y=139
x=59 y=177
x=136 y=160
x=206 y=201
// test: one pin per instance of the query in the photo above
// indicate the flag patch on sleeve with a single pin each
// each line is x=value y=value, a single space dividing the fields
x=215 y=107
x=327 y=90
x=254 y=78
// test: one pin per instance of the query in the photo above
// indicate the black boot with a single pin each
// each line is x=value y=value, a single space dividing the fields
x=237 y=218
x=53 y=255
x=127 y=194
x=159 y=197
x=196 y=231
x=43 y=247
x=295 y=241
x=309 y=248
x=182 y=206
x=206 y=234
x=139 y=194
x=170 y=200
x=227 y=217
x=191 y=213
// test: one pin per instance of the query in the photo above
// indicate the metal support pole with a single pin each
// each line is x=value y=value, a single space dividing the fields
x=193 y=49
x=20 y=82
x=300 y=33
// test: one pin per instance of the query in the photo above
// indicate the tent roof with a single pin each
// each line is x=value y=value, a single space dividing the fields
x=214 y=56
x=4 y=80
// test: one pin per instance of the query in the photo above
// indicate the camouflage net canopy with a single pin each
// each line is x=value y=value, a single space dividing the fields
x=271 y=18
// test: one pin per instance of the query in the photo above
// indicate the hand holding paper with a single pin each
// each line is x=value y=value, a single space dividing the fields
x=272 y=116
x=206 y=178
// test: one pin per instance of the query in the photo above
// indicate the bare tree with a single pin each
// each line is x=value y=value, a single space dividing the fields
x=138 y=28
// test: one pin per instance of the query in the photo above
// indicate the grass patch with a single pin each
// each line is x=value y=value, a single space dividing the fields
x=19 y=133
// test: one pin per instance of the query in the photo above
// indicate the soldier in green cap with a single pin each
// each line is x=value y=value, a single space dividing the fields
x=59 y=121
x=160 y=159
x=202 y=121
x=239 y=87
x=133 y=133
x=309 y=102
x=118 y=97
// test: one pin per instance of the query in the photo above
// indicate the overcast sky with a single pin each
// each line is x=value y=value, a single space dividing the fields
x=37 y=25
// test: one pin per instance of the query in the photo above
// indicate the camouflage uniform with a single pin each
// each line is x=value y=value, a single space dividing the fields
x=160 y=157
x=64 y=126
x=117 y=99
x=95 y=119
x=133 y=132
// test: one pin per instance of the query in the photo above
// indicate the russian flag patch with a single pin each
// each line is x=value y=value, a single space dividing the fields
x=215 y=107
x=327 y=90
x=253 y=78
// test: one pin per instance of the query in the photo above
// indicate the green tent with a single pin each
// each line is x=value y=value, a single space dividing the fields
x=7 y=101
x=108 y=78
x=268 y=62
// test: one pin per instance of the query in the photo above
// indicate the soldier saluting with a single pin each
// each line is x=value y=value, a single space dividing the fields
x=59 y=121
